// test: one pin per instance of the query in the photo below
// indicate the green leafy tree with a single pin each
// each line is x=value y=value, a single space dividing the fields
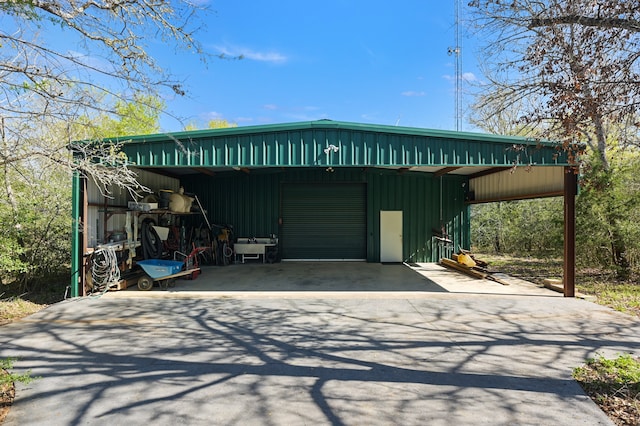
x=190 y=127
x=608 y=211
x=36 y=224
x=531 y=227
x=221 y=123
x=216 y=123
x=138 y=117
x=35 y=206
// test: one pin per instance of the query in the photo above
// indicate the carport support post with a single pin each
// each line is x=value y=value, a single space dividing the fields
x=570 y=191
x=76 y=257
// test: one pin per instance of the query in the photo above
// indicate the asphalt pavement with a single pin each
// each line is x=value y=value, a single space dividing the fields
x=429 y=355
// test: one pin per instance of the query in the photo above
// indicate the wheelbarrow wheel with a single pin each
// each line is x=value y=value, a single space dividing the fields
x=145 y=283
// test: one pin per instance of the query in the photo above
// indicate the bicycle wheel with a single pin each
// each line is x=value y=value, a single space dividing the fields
x=227 y=252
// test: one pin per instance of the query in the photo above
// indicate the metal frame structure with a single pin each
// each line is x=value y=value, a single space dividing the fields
x=489 y=167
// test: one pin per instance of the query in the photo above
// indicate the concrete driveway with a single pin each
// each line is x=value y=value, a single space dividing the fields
x=469 y=354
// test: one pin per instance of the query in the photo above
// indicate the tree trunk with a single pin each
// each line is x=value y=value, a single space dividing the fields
x=601 y=137
x=616 y=236
x=618 y=253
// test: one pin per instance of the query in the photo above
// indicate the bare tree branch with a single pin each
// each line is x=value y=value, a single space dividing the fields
x=577 y=59
x=50 y=95
x=587 y=21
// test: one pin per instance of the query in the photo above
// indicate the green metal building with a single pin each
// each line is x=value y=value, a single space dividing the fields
x=333 y=190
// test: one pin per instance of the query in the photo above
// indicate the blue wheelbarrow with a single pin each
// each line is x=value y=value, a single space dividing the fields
x=163 y=271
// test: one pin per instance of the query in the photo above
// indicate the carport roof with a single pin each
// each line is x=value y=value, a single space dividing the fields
x=326 y=143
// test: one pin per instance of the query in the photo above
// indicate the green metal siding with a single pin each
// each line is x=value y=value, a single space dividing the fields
x=303 y=144
x=418 y=196
x=251 y=202
x=248 y=202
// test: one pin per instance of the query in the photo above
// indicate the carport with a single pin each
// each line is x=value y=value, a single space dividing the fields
x=334 y=191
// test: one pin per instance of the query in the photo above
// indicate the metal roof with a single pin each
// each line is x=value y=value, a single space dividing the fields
x=327 y=143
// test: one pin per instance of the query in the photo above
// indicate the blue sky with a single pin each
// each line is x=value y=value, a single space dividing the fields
x=361 y=61
x=347 y=60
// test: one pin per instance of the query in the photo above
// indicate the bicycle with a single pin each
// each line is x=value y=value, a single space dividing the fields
x=224 y=245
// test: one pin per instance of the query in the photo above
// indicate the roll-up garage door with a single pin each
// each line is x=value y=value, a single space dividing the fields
x=324 y=221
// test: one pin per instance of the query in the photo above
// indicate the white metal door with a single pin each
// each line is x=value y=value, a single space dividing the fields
x=391 y=236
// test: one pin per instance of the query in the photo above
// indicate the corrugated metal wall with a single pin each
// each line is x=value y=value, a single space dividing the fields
x=117 y=201
x=246 y=147
x=324 y=221
x=355 y=148
x=251 y=203
x=520 y=182
x=419 y=197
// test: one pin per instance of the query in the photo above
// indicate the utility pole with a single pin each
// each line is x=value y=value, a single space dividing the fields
x=456 y=51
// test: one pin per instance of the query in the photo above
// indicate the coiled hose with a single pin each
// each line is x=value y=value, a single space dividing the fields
x=104 y=268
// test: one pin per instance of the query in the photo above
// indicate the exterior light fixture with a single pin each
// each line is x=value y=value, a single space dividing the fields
x=330 y=148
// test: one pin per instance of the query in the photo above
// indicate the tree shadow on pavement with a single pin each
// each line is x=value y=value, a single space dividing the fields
x=298 y=361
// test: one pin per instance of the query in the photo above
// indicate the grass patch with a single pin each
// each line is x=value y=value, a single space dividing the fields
x=17 y=302
x=6 y=365
x=613 y=384
x=7 y=385
x=530 y=269
x=623 y=296
x=14 y=308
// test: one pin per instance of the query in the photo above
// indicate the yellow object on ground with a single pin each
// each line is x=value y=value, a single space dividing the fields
x=466 y=260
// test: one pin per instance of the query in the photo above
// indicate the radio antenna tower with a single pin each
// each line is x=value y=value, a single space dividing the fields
x=457 y=52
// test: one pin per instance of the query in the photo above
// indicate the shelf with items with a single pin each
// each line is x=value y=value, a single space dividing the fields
x=124 y=232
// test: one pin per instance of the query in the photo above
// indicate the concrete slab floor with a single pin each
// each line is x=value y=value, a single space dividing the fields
x=333 y=279
x=414 y=357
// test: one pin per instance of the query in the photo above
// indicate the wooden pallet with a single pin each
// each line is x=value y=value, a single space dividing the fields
x=464 y=269
x=123 y=284
x=473 y=272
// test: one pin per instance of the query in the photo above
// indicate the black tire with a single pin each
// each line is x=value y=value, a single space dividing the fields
x=152 y=245
x=145 y=283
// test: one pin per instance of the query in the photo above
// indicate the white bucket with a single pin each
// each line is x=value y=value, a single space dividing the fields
x=180 y=203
